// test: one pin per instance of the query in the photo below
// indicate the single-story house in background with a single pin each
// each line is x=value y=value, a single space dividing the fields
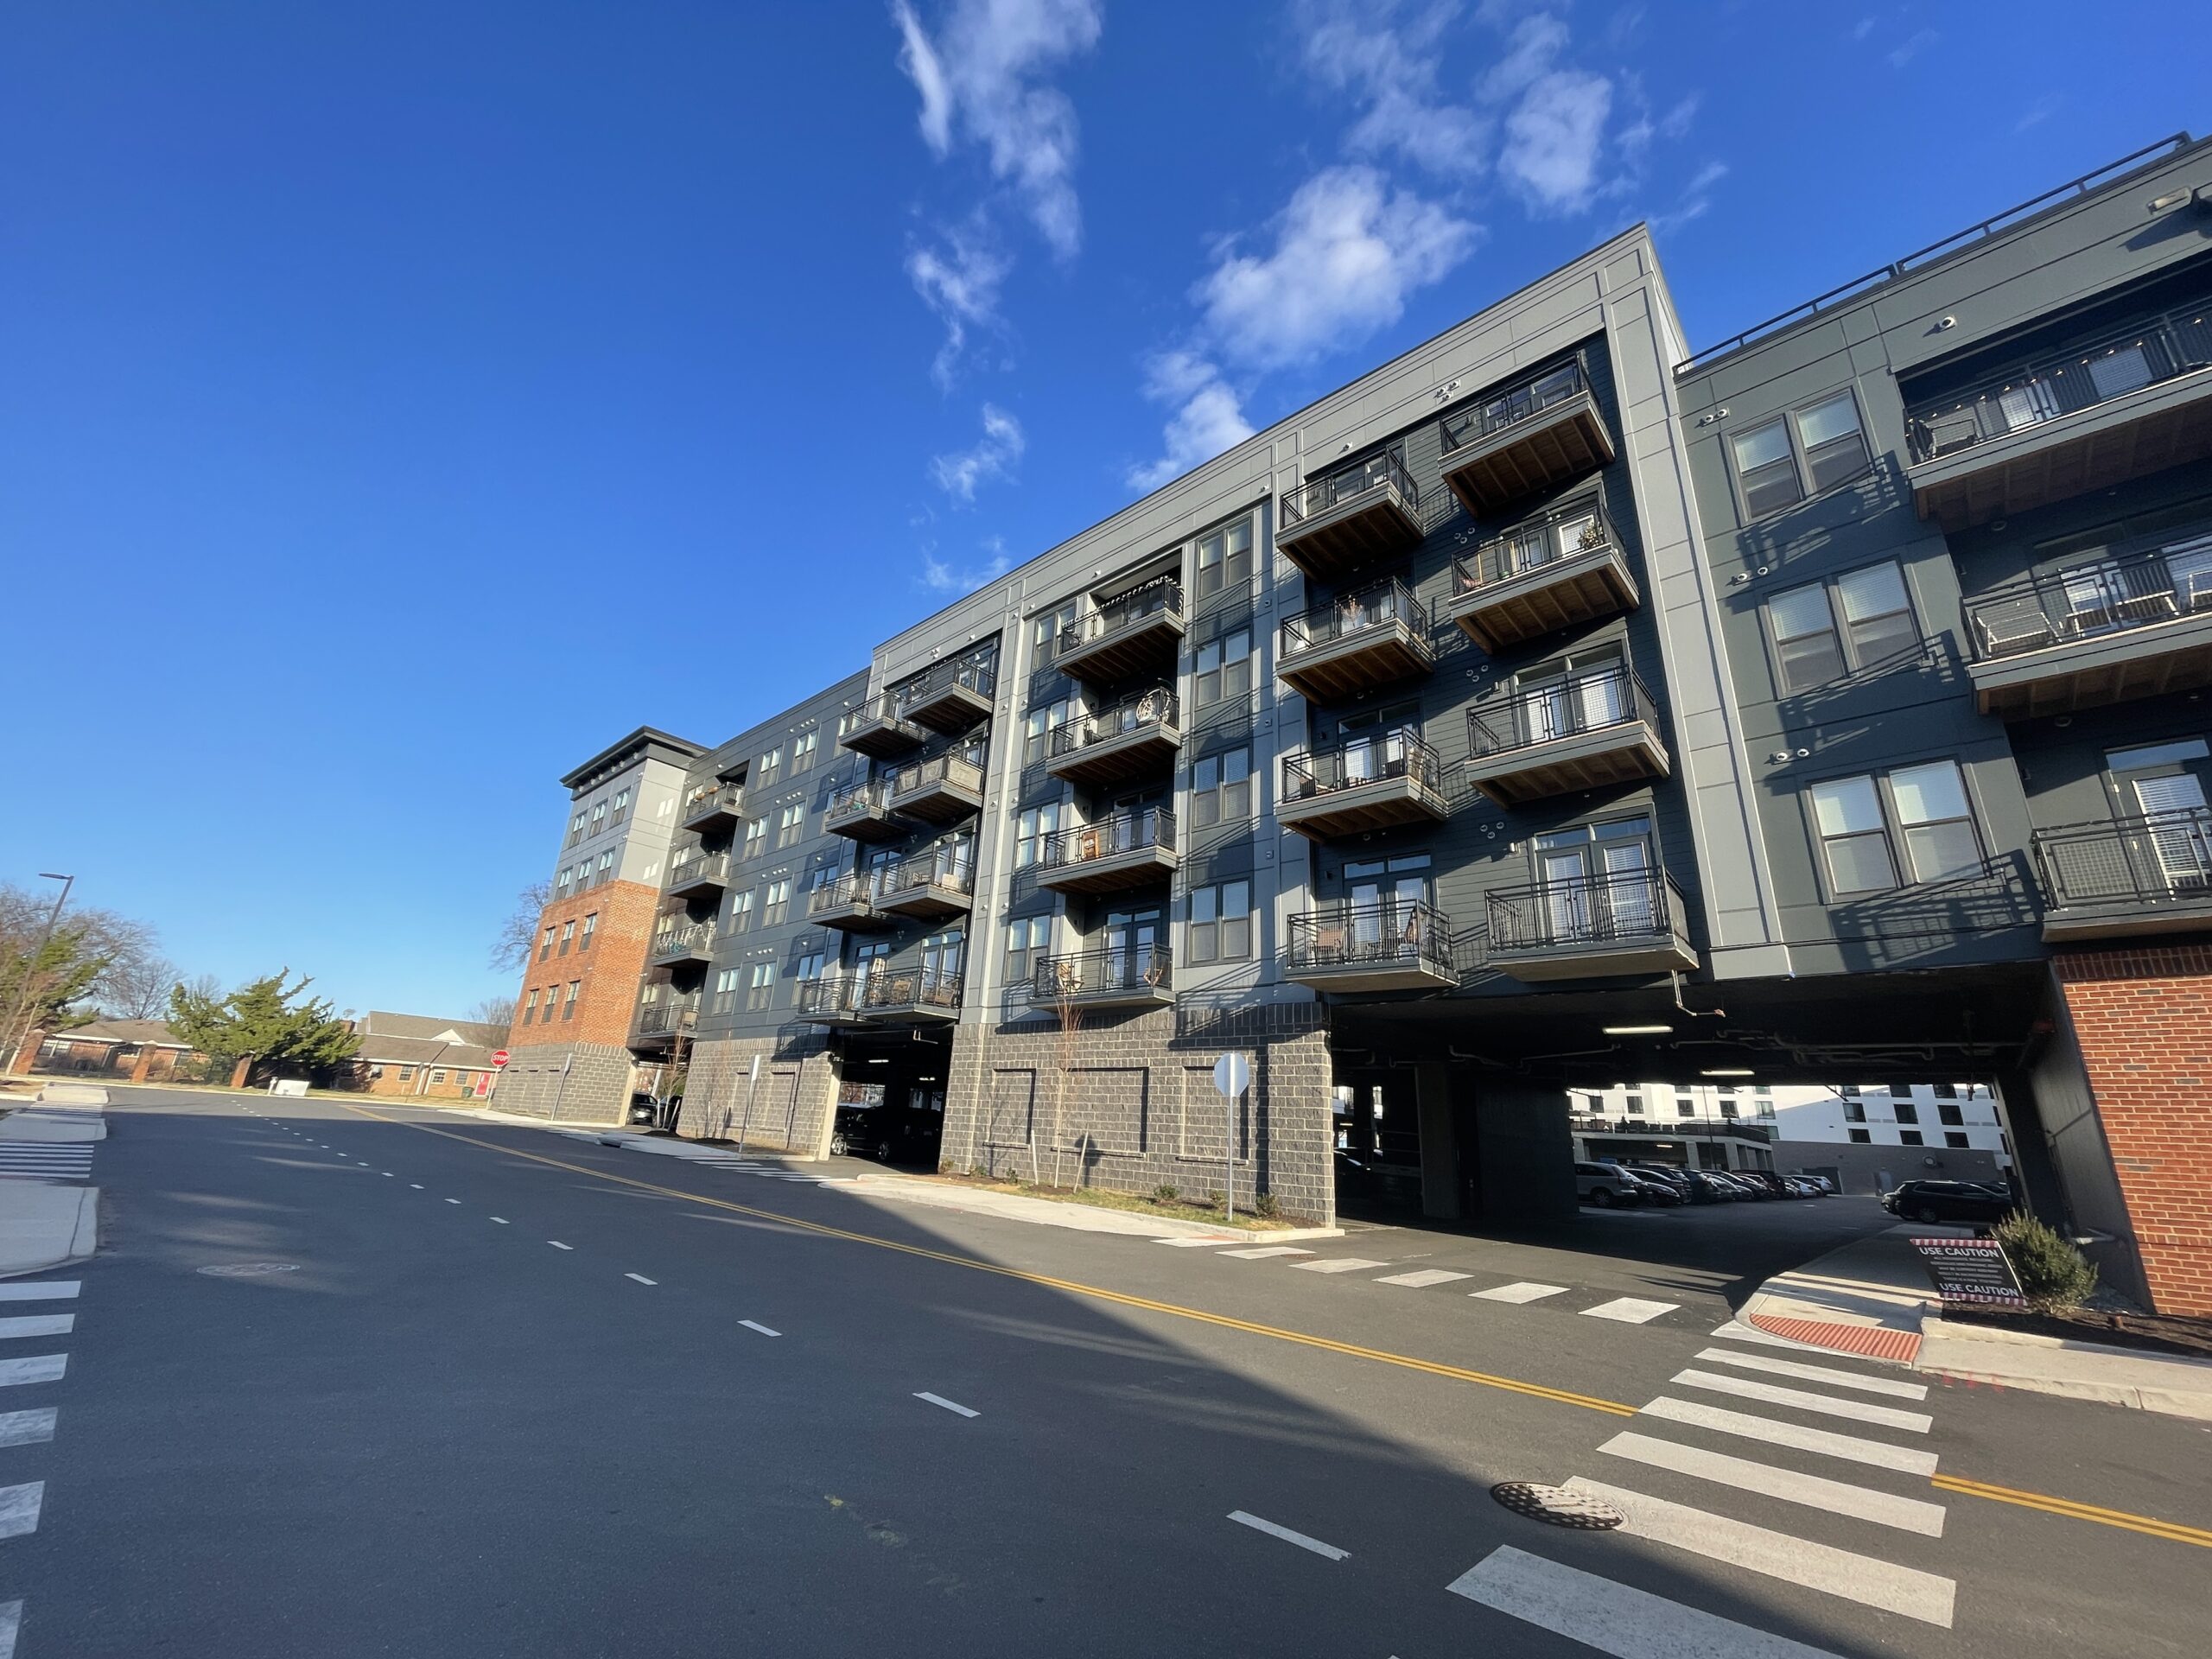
x=142 y=1050
x=419 y=1054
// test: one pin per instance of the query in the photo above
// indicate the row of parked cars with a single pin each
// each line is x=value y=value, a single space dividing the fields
x=1609 y=1186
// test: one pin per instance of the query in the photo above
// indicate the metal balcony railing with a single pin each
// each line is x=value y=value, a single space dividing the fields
x=1307 y=773
x=1163 y=597
x=2046 y=386
x=1125 y=832
x=1385 y=471
x=672 y=943
x=2127 y=864
x=713 y=797
x=1526 y=716
x=854 y=888
x=1349 y=615
x=2110 y=596
x=892 y=990
x=981 y=677
x=1394 y=933
x=699 y=867
x=1747 y=1129
x=1622 y=907
x=955 y=769
x=664 y=1019
x=946 y=872
x=1156 y=707
x=1568 y=534
x=854 y=800
x=1101 y=973
x=1509 y=408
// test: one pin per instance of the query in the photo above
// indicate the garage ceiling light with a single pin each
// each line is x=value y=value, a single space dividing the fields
x=1638 y=1030
x=1727 y=1071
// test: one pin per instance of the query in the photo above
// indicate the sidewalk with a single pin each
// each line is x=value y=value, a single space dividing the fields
x=1871 y=1298
x=54 y=1124
x=44 y=1224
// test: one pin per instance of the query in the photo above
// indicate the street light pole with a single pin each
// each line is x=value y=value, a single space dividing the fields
x=30 y=962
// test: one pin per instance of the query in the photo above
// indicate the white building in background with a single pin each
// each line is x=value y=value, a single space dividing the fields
x=1961 y=1116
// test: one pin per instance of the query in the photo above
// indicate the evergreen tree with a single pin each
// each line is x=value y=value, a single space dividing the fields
x=265 y=1020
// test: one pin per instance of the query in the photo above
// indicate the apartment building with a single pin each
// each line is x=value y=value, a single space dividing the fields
x=1547 y=707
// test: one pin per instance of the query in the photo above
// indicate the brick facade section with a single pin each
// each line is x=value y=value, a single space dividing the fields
x=462 y=1082
x=609 y=972
x=2143 y=1019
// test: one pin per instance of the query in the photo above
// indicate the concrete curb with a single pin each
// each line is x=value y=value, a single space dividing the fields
x=2132 y=1377
x=69 y=1232
x=1077 y=1218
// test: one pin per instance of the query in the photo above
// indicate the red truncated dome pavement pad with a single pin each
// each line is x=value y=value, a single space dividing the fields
x=1873 y=1340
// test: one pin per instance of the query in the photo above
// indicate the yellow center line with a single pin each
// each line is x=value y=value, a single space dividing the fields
x=2172 y=1531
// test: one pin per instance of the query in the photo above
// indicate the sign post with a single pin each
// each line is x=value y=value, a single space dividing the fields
x=1231 y=1072
x=752 y=1082
x=1970 y=1272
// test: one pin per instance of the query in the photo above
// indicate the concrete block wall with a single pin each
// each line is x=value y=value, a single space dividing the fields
x=1129 y=1104
x=794 y=1105
x=596 y=1089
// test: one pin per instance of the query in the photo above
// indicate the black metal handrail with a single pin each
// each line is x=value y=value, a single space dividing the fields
x=660 y=1019
x=856 y=889
x=1670 y=1129
x=952 y=872
x=850 y=800
x=1156 y=707
x=1379 y=758
x=1404 y=932
x=1521 y=716
x=1079 y=974
x=1381 y=605
x=2053 y=383
x=1531 y=547
x=891 y=988
x=713 y=797
x=713 y=866
x=1533 y=396
x=951 y=767
x=981 y=677
x=2085 y=602
x=2138 y=863
x=682 y=941
x=1617 y=906
x=1163 y=596
x=1125 y=832
x=1377 y=471
x=884 y=709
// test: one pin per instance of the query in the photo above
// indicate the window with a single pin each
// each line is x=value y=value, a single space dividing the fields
x=1633 y=1105
x=740 y=910
x=1030 y=829
x=1905 y=1111
x=1860 y=1137
x=1045 y=631
x=1876 y=612
x=561 y=885
x=567 y=936
x=1955 y=1137
x=598 y=816
x=1224 y=668
x=1685 y=1107
x=761 y=986
x=725 y=997
x=1221 y=788
x=776 y=906
x=621 y=806
x=1774 y=472
x=1225 y=559
x=1854 y=1111
x=568 y=1007
x=1928 y=807
x=545 y=945
x=791 y=824
x=1877 y=620
x=576 y=827
x=802 y=750
x=1025 y=940
x=1037 y=728
x=1221 y=923
x=406 y=1073
x=439 y=1075
x=756 y=837
x=1727 y=1106
x=771 y=767
x=606 y=867
x=1944 y=1090
x=591 y=926
x=1910 y=1138
x=529 y=1008
x=806 y=971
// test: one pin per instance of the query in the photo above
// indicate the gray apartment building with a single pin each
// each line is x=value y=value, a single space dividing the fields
x=1547 y=707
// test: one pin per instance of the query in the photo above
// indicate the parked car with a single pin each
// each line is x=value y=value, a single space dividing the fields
x=887 y=1133
x=1656 y=1189
x=1959 y=1201
x=1672 y=1175
x=1778 y=1185
x=1732 y=1184
x=1606 y=1185
x=1820 y=1184
x=1804 y=1186
x=1706 y=1187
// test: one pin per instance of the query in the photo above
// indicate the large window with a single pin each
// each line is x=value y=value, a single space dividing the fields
x=725 y=991
x=1810 y=648
x=1878 y=832
x=1224 y=668
x=568 y=937
x=761 y=986
x=791 y=824
x=807 y=970
x=621 y=805
x=576 y=827
x=1221 y=787
x=1221 y=923
x=1781 y=461
x=776 y=904
x=598 y=816
x=1038 y=727
x=1025 y=940
x=528 y=1008
x=756 y=837
x=591 y=926
x=568 y=1004
x=606 y=871
x=771 y=768
x=1030 y=828
x=1224 y=559
x=740 y=910
x=545 y=945
x=802 y=748
x=1045 y=631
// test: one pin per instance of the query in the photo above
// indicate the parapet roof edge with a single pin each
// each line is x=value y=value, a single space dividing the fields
x=638 y=745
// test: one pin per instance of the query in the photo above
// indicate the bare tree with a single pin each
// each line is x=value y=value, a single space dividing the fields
x=1067 y=990
x=52 y=963
x=518 y=935
x=135 y=986
x=487 y=1023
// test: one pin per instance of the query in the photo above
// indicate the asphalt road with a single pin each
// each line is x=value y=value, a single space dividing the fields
x=440 y=1432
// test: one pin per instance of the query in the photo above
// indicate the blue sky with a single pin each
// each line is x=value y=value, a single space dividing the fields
x=400 y=401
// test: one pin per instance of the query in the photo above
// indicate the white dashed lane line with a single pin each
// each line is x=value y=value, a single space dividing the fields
x=452 y=1200
x=414 y=1186
x=755 y=1325
x=502 y=1220
x=1331 y=1551
x=641 y=1278
x=558 y=1245
x=950 y=1405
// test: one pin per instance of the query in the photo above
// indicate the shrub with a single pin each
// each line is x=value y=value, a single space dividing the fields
x=1264 y=1205
x=2051 y=1271
x=1164 y=1193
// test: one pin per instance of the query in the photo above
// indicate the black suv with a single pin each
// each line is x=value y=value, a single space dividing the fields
x=891 y=1134
x=1960 y=1201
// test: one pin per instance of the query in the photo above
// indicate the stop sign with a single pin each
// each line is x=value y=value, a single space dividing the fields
x=499 y=1057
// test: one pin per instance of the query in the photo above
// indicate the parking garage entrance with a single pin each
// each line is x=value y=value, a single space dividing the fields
x=890 y=1091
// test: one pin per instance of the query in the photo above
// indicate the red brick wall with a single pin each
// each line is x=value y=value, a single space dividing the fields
x=609 y=971
x=2144 y=1018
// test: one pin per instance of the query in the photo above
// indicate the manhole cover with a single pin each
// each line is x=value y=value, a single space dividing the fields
x=1557 y=1505
x=249 y=1269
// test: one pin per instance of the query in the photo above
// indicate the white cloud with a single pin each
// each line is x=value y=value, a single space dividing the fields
x=1910 y=47
x=940 y=577
x=1554 y=138
x=1696 y=197
x=1530 y=50
x=992 y=456
x=982 y=75
x=1348 y=250
x=959 y=280
x=1209 y=418
x=1390 y=67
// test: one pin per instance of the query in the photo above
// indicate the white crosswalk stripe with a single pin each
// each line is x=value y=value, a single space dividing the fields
x=1816 y=1491
x=1338 y=1264
x=1265 y=1250
x=1526 y=1290
x=38 y=1325
x=1614 y=1618
x=1906 y=1459
x=1423 y=1278
x=1888 y=1416
x=1827 y=1374
x=19 y=1508
x=1630 y=1310
x=40 y=1290
x=38 y=1368
x=43 y=1161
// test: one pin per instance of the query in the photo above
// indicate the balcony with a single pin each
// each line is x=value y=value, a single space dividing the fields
x=2126 y=876
x=951 y=697
x=699 y=876
x=1373 y=784
x=1760 y=1131
x=1396 y=946
x=1137 y=634
x=1140 y=977
x=658 y=1024
x=1332 y=526
x=833 y=1000
x=2131 y=404
x=1560 y=574
x=714 y=809
x=1590 y=927
x=1135 y=738
x=2110 y=632
x=908 y=996
x=850 y=903
x=1588 y=732
x=945 y=789
x=930 y=884
x=862 y=811
x=878 y=728
x=1130 y=849
x=1536 y=437
x=689 y=942
x=1355 y=643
